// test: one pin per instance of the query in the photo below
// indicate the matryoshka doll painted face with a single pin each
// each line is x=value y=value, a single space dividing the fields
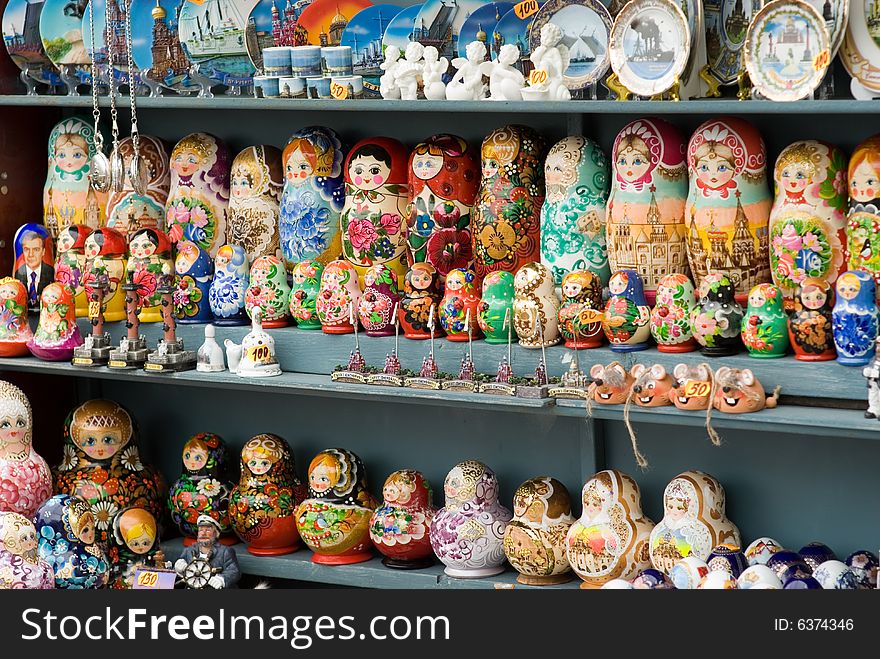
x=582 y=310
x=670 y=318
x=34 y=261
x=716 y=321
x=256 y=183
x=195 y=270
x=495 y=312
x=57 y=333
x=400 y=527
x=854 y=318
x=459 y=305
x=268 y=290
x=535 y=307
x=377 y=310
x=20 y=564
x=306 y=282
x=15 y=332
x=627 y=319
x=228 y=289
x=809 y=325
x=105 y=251
x=765 y=325
x=136 y=536
x=338 y=298
x=422 y=290
x=127 y=211
x=70 y=263
x=863 y=222
x=25 y=481
x=149 y=259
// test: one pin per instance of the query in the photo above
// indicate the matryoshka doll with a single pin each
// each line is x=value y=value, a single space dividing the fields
x=15 y=332
x=534 y=540
x=70 y=263
x=671 y=316
x=400 y=527
x=627 y=319
x=102 y=464
x=728 y=206
x=716 y=321
x=127 y=211
x=610 y=540
x=573 y=214
x=694 y=521
x=854 y=318
x=262 y=507
x=507 y=218
x=582 y=310
x=198 y=201
x=105 y=251
x=809 y=325
x=34 y=264
x=202 y=488
x=136 y=544
x=149 y=262
x=467 y=534
x=66 y=529
x=226 y=295
x=645 y=220
x=535 y=307
x=194 y=270
x=444 y=179
x=268 y=290
x=312 y=198
x=57 y=333
x=20 y=564
x=422 y=290
x=372 y=223
x=459 y=299
x=304 y=287
x=255 y=194
x=25 y=480
x=863 y=219
x=765 y=325
x=338 y=298
x=376 y=309
x=334 y=521
x=496 y=307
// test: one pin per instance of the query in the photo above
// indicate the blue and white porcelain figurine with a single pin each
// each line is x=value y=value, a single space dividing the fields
x=227 y=292
x=854 y=318
x=194 y=269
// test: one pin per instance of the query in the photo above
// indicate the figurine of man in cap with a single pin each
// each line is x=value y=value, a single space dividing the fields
x=222 y=559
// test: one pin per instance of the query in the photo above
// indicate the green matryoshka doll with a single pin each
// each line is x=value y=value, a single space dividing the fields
x=268 y=290
x=496 y=306
x=765 y=324
x=306 y=282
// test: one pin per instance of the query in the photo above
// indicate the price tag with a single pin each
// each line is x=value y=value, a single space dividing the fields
x=339 y=92
x=94 y=309
x=259 y=354
x=149 y=366
x=592 y=316
x=697 y=388
x=153 y=579
x=538 y=77
x=526 y=8
x=117 y=364
x=822 y=60
x=82 y=361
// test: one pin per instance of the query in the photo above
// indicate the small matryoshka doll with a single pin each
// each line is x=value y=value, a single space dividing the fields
x=70 y=263
x=334 y=521
x=459 y=299
x=25 y=480
x=20 y=564
x=645 y=219
x=228 y=289
x=372 y=222
x=422 y=289
x=765 y=325
x=268 y=289
x=716 y=321
x=444 y=179
x=102 y=464
x=34 y=264
x=136 y=544
x=809 y=325
x=582 y=310
x=338 y=298
x=507 y=219
x=573 y=214
x=304 y=287
x=854 y=318
x=671 y=316
x=149 y=261
x=694 y=521
x=105 y=251
x=496 y=307
x=534 y=540
x=376 y=309
x=400 y=527
x=203 y=488
x=627 y=322
x=535 y=307
x=863 y=220
x=255 y=193
x=467 y=534
x=67 y=532
x=15 y=332
x=198 y=201
x=610 y=540
x=313 y=196
x=194 y=271
x=128 y=211
x=57 y=333
x=262 y=507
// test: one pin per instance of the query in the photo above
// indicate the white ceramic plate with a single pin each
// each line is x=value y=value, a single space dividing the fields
x=860 y=52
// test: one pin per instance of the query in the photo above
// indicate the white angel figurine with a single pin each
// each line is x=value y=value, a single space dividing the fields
x=467 y=83
x=387 y=83
x=552 y=56
x=409 y=72
x=433 y=69
x=505 y=80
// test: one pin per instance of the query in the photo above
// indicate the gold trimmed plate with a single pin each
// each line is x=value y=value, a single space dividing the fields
x=860 y=52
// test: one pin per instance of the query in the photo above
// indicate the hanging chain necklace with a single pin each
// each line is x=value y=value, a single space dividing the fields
x=117 y=165
x=99 y=167
x=137 y=168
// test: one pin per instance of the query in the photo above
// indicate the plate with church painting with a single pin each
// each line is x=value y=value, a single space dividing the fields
x=324 y=21
x=213 y=36
x=21 y=36
x=835 y=14
x=478 y=26
x=62 y=36
x=439 y=24
x=156 y=48
x=787 y=50
x=860 y=52
x=400 y=29
x=514 y=28
x=109 y=30
x=363 y=35
x=726 y=22
x=273 y=23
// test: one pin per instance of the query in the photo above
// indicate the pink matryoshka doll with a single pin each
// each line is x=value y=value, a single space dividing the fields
x=21 y=566
x=15 y=332
x=461 y=297
x=70 y=263
x=25 y=480
x=129 y=212
x=400 y=527
x=105 y=251
x=338 y=298
x=57 y=333
x=863 y=220
x=381 y=297
x=645 y=217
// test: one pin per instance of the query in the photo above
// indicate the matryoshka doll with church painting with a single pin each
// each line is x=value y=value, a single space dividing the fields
x=128 y=211
x=863 y=219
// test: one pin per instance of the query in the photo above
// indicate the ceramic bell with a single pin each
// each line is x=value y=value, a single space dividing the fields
x=255 y=187
x=758 y=576
x=209 y=357
x=535 y=307
x=671 y=316
x=810 y=323
x=34 y=261
x=611 y=384
x=381 y=297
x=149 y=257
x=652 y=385
x=255 y=357
x=198 y=200
x=25 y=480
x=693 y=386
x=582 y=310
x=835 y=575
x=459 y=299
x=765 y=325
x=304 y=287
x=422 y=290
x=854 y=318
x=467 y=534
x=70 y=263
x=195 y=270
x=15 y=332
x=105 y=251
x=228 y=289
x=268 y=289
x=66 y=528
x=20 y=564
x=262 y=507
x=739 y=391
x=865 y=566
x=136 y=544
x=101 y=464
x=495 y=306
x=760 y=550
x=727 y=558
x=57 y=333
x=627 y=314
x=694 y=521
x=507 y=224
x=863 y=220
x=610 y=540
x=717 y=319
x=400 y=527
x=340 y=293
x=334 y=521
x=688 y=573
x=127 y=211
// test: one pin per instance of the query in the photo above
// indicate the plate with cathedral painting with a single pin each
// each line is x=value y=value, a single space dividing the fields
x=62 y=36
x=363 y=35
x=156 y=48
x=274 y=24
x=726 y=22
x=400 y=29
x=478 y=26
x=213 y=36
x=860 y=52
x=109 y=34
x=21 y=36
x=323 y=21
x=514 y=28
x=439 y=24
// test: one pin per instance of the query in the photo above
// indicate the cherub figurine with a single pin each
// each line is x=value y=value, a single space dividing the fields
x=553 y=57
x=872 y=375
x=387 y=82
x=467 y=83
x=409 y=72
x=433 y=68
x=505 y=80
x=220 y=559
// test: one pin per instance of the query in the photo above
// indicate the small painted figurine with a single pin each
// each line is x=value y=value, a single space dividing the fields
x=127 y=211
x=627 y=314
x=671 y=316
x=57 y=332
x=582 y=310
x=268 y=290
x=495 y=306
x=254 y=357
x=149 y=257
x=255 y=193
x=717 y=319
x=25 y=480
x=34 y=262
x=459 y=299
x=304 y=288
x=208 y=548
x=535 y=307
x=105 y=251
x=228 y=289
x=338 y=298
x=652 y=386
x=765 y=325
x=863 y=220
x=67 y=534
x=194 y=269
x=136 y=544
x=422 y=290
x=15 y=332
x=693 y=386
x=381 y=297
x=20 y=564
x=809 y=325
x=739 y=392
x=70 y=263
x=611 y=384
x=400 y=527
x=854 y=318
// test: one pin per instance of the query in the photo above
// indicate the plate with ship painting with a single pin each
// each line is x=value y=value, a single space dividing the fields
x=156 y=48
x=439 y=23
x=860 y=52
x=363 y=35
x=213 y=36
x=21 y=36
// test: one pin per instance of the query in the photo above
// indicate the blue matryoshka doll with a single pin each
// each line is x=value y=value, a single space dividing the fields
x=194 y=270
x=854 y=318
x=226 y=295
x=627 y=322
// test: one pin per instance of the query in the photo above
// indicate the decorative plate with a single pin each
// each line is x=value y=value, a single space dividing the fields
x=116 y=28
x=61 y=32
x=324 y=21
x=860 y=52
x=478 y=26
x=274 y=24
x=835 y=14
x=439 y=23
x=726 y=22
x=586 y=28
x=693 y=11
x=513 y=29
x=156 y=46
x=21 y=36
x=787 y=50
x=364 y=34
x=213 y=35
x=400 y=28
x=650 y=46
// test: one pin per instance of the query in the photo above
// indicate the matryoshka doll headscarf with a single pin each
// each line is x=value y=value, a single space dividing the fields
x=338 y=475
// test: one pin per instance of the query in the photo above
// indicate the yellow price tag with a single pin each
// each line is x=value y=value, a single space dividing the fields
x=153 y=367
x=822 y=60
x=148 y=579
x=697 y=388
x=526 y=8
x=259 y=354
x=339 y=92
x=538 y=77
x=592 y=316
x=94 y=309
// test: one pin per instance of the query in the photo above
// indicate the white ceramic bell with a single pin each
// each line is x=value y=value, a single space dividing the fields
x=255 y=357
x=505 y=80
x=209 y=358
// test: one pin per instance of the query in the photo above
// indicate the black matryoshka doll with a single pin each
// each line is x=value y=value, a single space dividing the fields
x=422 y=290
x=127 y=211
x=66 y=529
x=149 y=262
x=809 y=325
x=70 y=263
x=717 y=319
x=105 y=251
x=194 y=269
x=136 y=544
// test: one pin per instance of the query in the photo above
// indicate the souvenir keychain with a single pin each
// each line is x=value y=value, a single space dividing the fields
x=99 y=167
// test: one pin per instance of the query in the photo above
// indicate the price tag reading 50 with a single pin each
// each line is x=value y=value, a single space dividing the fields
x=697 y=388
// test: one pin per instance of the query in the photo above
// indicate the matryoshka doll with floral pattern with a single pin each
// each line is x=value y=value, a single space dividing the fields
x=149 y=261
x=338 y=298
x=105 y=251
x=535 y=307
x=227 y=293
x=15 y=332
x=496 y=307
x=70 y=263
x=459 y=299
x=334 y=521
x=671 y=316
x=268 y=289
x=765 y=325
x=422 y=291
x=255 y=193
x=376 y=310
x=304 y=287
x=262 y=507
x=20 y=564
x=716 y=321
x=582 y=310
x=399 y=528
x=809 y=325
x=194 y=271
x=863 y=219
x=128 y=211
x=627 y=314
x=57 y=334
x=25 y=480
x=854 y=318
x=135 y=544
x=68 y=542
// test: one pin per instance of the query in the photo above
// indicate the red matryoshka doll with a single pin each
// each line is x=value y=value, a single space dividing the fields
x=194 y=271
x=135 y=544
x=70 y=263
x=645 y=217
x=127 y=211
x=25 y=481
x=21 y=566
x=255 y=194
x=507 y=219
x=262 y=507
x=338 y=298
x=57 y=333
x=15 y=332
x=460 y=298
x=582 y=310
x=105 y=251
x=728 y=206
x=422 y=289
x=335 y=520
x=863 y=220
x=381 y=297
x=149 y=262
x=34 y=261
x=400 y=527
x=372 y=222
x=444 y=179
x=809 y=325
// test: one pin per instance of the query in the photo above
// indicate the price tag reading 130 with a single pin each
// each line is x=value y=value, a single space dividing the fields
x=697 y=388
x=152 y=579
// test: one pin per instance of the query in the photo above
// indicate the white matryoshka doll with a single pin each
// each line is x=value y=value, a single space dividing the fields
x=228 y=290
x=25 y=480
x=645 y=219
x=198 y=201
x=728 y=206
x=70 y=263
x=105 y=251
x=573 y=214
x=863 y=220
x=694 y=521
x=255 y=193
x=128 y=211
x=610 y=540
x=149 y=263
x=535 y=307
x=20 y=564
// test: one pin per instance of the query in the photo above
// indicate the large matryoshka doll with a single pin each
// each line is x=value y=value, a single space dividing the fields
x=255 y=193
x=854 y=318
x=535 y=307
x=70 y=263
x=57 y=334
x=400 y=527
x=226 y=295
x=15 y=332
x=863 y=219
x=149 y=263
x=127 y=211
x=534 y=540
x=694 y=521
x=627 y=321
x=507 y=219
x=20 y=564
x=573 y=214
x=102 y=464
x=34 y=264
x=809 y=325
x=582 y=310
x=422 y=292
x=105 y=251
x=467 y=534
x=381 y=297
x=68 y=541
x=459 y=306
x=335 y=519
x=312 y=198
x=68 y=197
x=671 y=317
x=198 y=201
x=338 y=298
x=728 y=206
x=25 y=480
x=135 y=544
x=268 y=289
x=194 y=271
x=444 y=179
x=610 y=540
x=262 y=507
x=645 y=220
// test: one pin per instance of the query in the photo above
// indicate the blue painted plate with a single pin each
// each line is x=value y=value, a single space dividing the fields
x=513 y=29
x=21 y=36
x=400 y=29
x=156 y=47
x=481 y=20
x=61 y=32
x=364 y=34
x=440 y=21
